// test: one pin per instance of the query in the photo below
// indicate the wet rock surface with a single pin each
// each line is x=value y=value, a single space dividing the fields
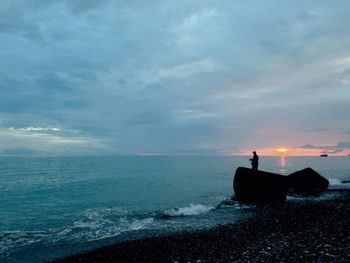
x=307 y=231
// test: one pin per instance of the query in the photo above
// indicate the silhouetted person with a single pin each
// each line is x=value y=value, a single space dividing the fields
x=255 y=161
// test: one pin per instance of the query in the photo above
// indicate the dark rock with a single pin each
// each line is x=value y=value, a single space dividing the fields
x=259 y=187
x=307 y=181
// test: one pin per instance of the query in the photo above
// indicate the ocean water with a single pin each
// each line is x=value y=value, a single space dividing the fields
x=55 y=206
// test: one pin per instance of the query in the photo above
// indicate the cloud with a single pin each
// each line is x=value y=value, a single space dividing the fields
x=184 y=70
x=340 y=147
x=343 y=145
x=35 y=129
x=344 y=61
x=188 y=69
x=308 y=146
x=135 y=77
x=46 y=140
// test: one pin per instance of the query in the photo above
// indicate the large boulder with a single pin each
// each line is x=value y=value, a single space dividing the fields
x=259 y=187
x=307 y=181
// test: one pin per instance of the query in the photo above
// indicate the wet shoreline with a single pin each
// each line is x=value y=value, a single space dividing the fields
x=301 y=231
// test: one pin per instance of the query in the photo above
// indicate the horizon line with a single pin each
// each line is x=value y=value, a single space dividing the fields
x=162 y=154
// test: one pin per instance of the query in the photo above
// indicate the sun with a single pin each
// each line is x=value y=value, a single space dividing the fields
x=281 y=150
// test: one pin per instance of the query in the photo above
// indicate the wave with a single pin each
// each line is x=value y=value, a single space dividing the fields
x=338 y=184
x=191 y=210
x=17 y=238
x=141 y=224
x=334 y=181
x=106 y=222
x=330 y=194
x=92 y=225
x=233 y=203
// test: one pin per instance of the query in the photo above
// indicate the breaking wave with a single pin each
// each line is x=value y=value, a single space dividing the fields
x=338 y=184
x=190 y=210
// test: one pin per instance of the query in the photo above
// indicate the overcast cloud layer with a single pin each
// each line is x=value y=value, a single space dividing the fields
x=123 y=77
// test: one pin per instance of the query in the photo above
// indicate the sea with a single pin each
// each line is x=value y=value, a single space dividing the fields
x=56 y=206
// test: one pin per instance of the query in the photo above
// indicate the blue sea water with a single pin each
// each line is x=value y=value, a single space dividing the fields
x=55 y=206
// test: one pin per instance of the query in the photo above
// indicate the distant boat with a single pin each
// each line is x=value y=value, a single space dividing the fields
x=324 y=155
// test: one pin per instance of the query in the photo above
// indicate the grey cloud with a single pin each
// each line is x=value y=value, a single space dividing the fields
x=330 y=149
x=81 y=6
x=164 y=76
x=343 y=145
x=13 y=20
x=333 y=150
x=308 y=146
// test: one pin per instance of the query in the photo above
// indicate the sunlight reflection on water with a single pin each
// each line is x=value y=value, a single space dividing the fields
x=283 y=165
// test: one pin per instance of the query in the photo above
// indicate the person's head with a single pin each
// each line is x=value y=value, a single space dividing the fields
x=254 y=152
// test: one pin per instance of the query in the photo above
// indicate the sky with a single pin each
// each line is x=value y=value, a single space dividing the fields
x=81 y=77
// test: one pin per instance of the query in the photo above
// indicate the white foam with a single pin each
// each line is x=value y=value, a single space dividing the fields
x=92 y=224
x=189 y=210
x=102 y=222
x=337 y=184
x=141 y=224
x=334 y=181
x=242 y=206
x=89 y=225
x=322 y=197
x=13 y=239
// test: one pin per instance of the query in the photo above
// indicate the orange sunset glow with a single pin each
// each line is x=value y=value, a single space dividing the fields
x=291 y=151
